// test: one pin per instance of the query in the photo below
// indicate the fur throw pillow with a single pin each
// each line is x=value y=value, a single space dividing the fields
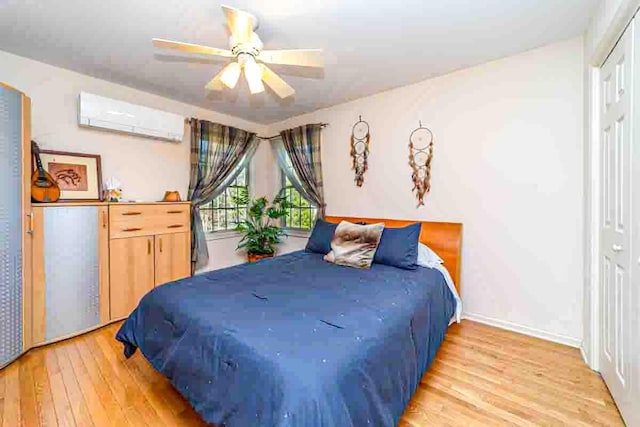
x=354 y=245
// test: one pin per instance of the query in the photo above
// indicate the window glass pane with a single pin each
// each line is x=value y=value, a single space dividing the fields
x=223 y=213
x=301 y=215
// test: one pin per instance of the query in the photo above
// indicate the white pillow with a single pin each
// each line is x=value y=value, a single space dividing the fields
x=427 y=257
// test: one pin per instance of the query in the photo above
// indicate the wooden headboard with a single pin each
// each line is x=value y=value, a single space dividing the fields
x=445 y=238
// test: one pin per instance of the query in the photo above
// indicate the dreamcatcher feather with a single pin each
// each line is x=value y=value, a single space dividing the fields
x=420 y=156
x=360 y=139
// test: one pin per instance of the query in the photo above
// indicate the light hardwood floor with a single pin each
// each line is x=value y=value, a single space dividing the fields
x=482 y=376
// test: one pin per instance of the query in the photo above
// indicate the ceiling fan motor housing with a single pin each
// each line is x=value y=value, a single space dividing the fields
x=252 y=48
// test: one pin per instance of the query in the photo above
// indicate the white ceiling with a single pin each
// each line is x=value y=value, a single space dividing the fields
x=370 y=45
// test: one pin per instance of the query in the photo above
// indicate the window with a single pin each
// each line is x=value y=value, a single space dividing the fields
x=223 y=213
x=301 y=215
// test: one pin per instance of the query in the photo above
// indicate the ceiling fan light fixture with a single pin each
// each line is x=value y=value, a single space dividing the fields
x=231 y=74
x=246 y=47
x=253 y=74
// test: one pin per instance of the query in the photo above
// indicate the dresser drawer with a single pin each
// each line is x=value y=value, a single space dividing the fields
x=144 y=220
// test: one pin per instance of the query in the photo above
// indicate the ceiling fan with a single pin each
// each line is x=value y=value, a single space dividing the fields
x=246 y=47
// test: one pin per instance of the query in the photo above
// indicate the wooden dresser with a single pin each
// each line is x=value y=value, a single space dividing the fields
x=104 y=257
x=149 y=244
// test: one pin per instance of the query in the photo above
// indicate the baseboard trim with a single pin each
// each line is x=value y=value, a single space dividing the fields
x=584 y=356
x=526 y=330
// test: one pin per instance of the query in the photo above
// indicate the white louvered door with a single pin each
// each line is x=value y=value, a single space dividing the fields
x=617 y=287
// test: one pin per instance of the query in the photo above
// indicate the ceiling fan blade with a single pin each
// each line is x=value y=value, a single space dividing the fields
x=301 y=57
x=217 y=82
x=279 y=86
x=241 y=24
x=192 y=48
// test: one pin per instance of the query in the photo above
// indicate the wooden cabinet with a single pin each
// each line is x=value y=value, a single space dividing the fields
x=150 y=244
x=100 y=259
x=172 y=257
x=131 y=272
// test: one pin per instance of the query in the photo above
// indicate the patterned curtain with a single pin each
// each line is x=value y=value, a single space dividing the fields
x=218 y=155
x=302 y=145
x=284 y=162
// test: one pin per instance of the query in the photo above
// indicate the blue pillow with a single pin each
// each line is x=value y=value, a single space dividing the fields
x=399 y=247
x=320 y=239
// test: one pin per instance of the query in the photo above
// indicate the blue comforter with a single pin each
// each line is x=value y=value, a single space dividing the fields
x=294 y=341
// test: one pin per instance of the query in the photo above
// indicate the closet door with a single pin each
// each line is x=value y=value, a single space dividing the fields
x=618 y=298
x=14 y=204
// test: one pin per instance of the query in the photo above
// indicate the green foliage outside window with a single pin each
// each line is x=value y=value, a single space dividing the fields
x=225 y=211
x=300 y=215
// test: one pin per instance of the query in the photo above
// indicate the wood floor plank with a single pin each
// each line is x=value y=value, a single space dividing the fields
x=44 y=398
x=79 y=408
x=101 y=385
x=490 y=334
x=482 y=376
x=133 y=395
x=152 y=394
x=28 y=406
x=93 y=403
x=2 y=391
x=174 y=400
x=123 y=393
x=11 y=412
x=545 y=396
x=64 y=414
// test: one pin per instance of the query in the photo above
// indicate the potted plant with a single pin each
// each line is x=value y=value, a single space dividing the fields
x=261 y=231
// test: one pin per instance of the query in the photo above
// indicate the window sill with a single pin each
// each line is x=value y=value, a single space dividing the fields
x=222 y=235
x=298 y=233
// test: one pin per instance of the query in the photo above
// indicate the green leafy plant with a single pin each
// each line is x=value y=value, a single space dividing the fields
x=261 y=231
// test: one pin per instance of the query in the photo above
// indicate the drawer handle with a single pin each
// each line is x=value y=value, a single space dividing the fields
x=174 y=212
x=131 y=213
x=132 y=229
x=30 y=230
x=175 y=226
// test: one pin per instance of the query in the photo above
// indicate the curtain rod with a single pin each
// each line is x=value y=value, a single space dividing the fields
x=323 y=125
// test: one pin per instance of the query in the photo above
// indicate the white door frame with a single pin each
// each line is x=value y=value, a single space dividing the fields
x=626 y=12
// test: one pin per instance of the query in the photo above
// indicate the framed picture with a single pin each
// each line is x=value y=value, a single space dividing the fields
x=78 y=175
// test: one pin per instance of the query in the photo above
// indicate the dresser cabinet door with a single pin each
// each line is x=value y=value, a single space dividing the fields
x=68 y=270
x=131 y=267
x=172 y=257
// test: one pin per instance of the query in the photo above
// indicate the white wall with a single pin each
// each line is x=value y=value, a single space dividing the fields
x=507 y=164
x=145 y=167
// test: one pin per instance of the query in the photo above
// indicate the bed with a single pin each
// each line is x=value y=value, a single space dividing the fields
x=296 y=341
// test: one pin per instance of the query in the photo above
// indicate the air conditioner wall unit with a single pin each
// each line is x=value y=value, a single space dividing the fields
x=110 y=114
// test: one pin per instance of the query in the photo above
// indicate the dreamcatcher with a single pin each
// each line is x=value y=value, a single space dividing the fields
x=360 y=138
x=420 y=155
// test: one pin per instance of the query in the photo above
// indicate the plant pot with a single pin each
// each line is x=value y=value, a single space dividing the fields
x=258 y=257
